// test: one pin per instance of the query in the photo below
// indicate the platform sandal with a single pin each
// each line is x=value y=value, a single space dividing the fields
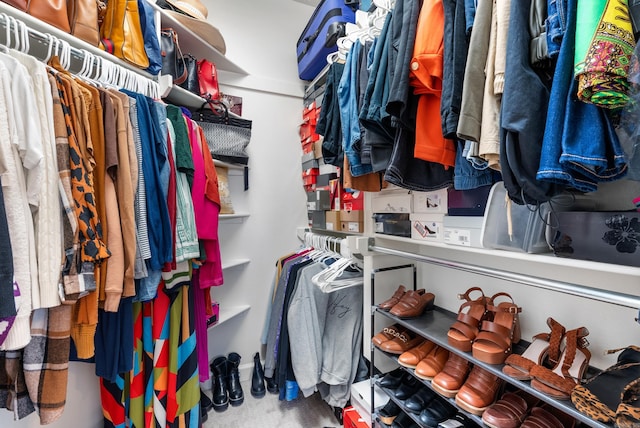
x=611 y=395
x=544 y=350
x=560 y=381
x=463 y=331
x=497 y=335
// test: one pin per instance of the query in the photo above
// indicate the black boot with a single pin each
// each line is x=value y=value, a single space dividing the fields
x=272 y=385
x=236 y=396
x=205 y=402
x=220 y=395
x=257 y=379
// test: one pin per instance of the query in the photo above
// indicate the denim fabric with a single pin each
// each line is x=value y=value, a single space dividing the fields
x=556 y=24
x=150 y=36
x=379 y=132
x=470 y=153
x=579 y=145
x=404 y=24
x=466 y=176
x=328 y=124
x=469 y=14
x=522 y=129
x=634 y=12
x=348 y=101
x=456 y=46
x=364 y=65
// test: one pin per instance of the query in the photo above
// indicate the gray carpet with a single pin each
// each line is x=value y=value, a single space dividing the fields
x=269 y=412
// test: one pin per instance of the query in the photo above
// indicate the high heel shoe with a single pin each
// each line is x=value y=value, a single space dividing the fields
x=494 y=342
x=560 y=381
x=544 y=350
x=467 y=325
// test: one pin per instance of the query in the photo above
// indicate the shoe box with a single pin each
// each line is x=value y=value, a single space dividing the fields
x=427 y=227
x=463 y=230
x=352 y=221
x=392 y=224
x=352 y=419
x=430 y=202
x=215 y=314
x=361 y=399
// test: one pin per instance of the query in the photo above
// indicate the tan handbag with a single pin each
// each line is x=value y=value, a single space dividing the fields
x=83 y=19
x=121 y=33
x=52 y=12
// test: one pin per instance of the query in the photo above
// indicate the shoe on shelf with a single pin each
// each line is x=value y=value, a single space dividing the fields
x=405 y=340
x=409 y=386
x=413 y=304
x=453 y=375
x=479 y=391
x=544 y=350
x=393 y=300
x=609 y=396
x=404 y=421
x=420 y=400
x=510 y=410
x=547 y=416
x=392 y=379
x=439 y=410
x=387 y=334
x=432 y=364
x=413 y=356
x=494 y=342
x=258 y=389
x=471 y=313
x=389 y=412
x=560 y=381
x=459 y=420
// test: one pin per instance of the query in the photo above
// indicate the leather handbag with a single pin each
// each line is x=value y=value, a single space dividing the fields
x=83 y=19
x=172 y=60
x=52 y=12
x=121 y=34
x=191 y=84
x=208 y=78
x=227 y=137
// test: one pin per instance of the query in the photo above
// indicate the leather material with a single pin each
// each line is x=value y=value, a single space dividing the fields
x=272 y=385
x=479 y=391
x=257 y=378
x=437 y=411
x=392 y=379
x=402 y=342
x=413 y=304
x=453 y=375
x=541 y=418
x=508 y=412
x=18 y=4
x=208 y=80
x=83 y=20
x=389 y=412
x=432 y=364
x=191 y=83
x=420 y=400
x=387 y=334
x=121 y=33
x=408 y=387
x=393 y=300
x=220 y=395
x=404 y=421
x=413 y=356
x=53 y=12
x=236 y=395
x=172 y=59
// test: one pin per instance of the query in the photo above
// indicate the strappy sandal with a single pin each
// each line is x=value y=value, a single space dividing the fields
x=494 y=342
x=544 y=350
x=471 y=313
x=562 y=379
x=611 y=395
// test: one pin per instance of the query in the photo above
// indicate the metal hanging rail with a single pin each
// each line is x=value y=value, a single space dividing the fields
x=612 y=297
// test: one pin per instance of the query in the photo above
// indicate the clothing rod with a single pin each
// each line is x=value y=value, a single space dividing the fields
x=612 y=297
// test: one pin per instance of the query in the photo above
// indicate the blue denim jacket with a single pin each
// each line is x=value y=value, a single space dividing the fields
x=556 y=24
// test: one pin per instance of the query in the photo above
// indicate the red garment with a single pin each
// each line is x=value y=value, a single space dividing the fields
x=172 y=205
x=426 y=78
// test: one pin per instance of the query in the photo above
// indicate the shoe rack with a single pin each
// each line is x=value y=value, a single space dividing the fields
x=433 y=325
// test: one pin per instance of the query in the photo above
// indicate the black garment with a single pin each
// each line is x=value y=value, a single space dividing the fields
x=329 y=123
x=456 y=47
x=7 y=301
x=363 y=146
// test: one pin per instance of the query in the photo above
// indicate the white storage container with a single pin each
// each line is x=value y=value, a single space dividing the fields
x=463 y=230
x=361 y=399
x=427 y=227
x=430 y=202
x=394 y=200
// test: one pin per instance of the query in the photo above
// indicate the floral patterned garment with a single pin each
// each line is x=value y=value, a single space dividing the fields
x=604 y=44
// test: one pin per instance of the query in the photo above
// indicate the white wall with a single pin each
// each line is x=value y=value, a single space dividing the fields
x=261 y=38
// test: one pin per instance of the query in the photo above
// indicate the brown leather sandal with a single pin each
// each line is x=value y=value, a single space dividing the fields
x=471 y=313
x=494 y=342
x=544 y=350
x=562 y=379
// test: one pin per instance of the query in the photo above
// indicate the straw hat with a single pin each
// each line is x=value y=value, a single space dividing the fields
x=193 y=15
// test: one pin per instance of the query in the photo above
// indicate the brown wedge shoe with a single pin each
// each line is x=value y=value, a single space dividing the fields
x=432 y=364
x=449 y=381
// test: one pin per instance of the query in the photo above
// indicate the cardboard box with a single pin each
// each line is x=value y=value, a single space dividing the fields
x=332 y=219
x=215 y=316
x=608 y=237
x=361 y=399
x=430 y=202
x=391 y=201
x=317 y=219
x=427 y=227
x=353 y=201
x=463 y=230
x=317 y=149
x=352 y=221
x=352 y=419
x=392 y=224
x=318 y=200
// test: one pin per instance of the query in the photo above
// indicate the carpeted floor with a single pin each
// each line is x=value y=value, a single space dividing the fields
x=269 y=412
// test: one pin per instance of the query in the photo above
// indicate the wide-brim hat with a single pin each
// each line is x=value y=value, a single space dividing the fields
x=193 y=15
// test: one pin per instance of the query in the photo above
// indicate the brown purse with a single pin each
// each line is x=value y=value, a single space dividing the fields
x=121 y=33
x=52 y=12
x=83 y=19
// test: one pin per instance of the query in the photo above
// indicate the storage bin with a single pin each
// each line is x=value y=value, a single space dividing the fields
x=391 y=201
x=392 y=224
x=430 y=202
x=427 y=227
x=463 y=230
x=361 y=399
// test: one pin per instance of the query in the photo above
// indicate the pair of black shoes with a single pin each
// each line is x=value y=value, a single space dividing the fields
x=226 y=382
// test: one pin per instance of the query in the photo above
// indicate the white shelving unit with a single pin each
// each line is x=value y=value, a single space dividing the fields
x=234 y=263
x=229 y=313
